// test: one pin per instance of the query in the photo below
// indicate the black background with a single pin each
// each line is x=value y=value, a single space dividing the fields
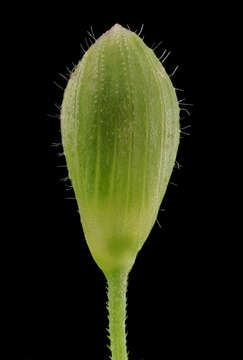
x=174 y=307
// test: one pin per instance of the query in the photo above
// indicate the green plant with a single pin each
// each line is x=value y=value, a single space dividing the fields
x=120 y=134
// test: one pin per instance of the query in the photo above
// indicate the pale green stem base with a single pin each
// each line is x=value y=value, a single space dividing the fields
x=117 y=287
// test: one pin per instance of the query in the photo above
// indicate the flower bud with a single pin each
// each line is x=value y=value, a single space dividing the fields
x=120 y=133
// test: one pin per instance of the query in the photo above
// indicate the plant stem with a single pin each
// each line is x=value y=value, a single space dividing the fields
x=117 y=287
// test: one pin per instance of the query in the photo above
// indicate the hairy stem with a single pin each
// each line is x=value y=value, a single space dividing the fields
x=117 y=287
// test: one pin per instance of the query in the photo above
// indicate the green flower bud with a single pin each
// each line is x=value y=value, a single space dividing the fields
x=120 y=133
